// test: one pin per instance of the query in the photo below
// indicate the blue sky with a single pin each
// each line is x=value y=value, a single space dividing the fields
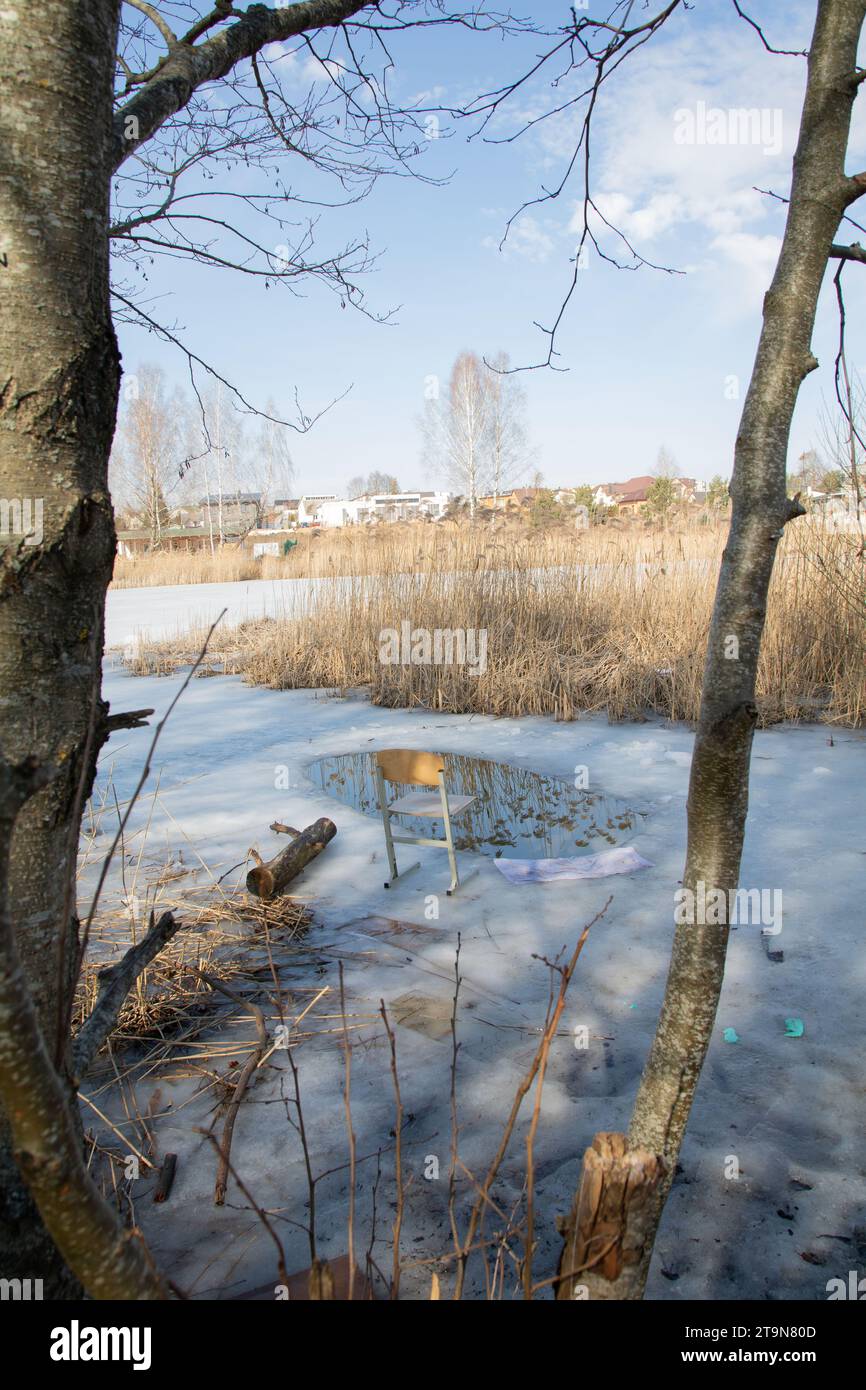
x=653 y=359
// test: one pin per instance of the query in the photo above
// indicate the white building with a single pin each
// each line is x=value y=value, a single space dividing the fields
x=308 y=507
x=383 y=506
x=603 y=496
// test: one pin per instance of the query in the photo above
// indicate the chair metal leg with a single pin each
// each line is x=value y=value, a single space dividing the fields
x=447 y=843
x=386 y=821
x=402 y=874
x=463 y=881
x=449 y=838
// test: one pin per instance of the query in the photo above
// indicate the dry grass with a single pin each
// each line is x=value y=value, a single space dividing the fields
x=606 y=620
x=229 y=564
x=318 y=554
x=393 y=549
x=229 y=936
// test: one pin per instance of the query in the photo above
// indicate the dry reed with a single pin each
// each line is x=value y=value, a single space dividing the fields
x=606 y=620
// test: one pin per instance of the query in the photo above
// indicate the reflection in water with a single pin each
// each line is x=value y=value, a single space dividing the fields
x=518 y=814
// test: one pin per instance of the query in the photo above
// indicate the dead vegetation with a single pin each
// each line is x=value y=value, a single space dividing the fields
x=577 y=622
x=231 y=937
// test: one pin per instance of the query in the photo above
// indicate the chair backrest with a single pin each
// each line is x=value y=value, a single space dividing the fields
x=408 y=765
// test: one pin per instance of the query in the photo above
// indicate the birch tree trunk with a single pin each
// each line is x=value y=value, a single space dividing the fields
x=59 y=372
x=718 y=788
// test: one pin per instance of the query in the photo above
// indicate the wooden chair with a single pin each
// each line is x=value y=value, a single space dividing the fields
x=404 y=765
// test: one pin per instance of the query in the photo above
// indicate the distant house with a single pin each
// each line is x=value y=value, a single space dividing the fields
x=511 y=498
x=286 y=512
x=381 y=507
x=524 y=496
x=627 y=496
x=494 y=501
x=692 y=489
x=137 y=540
x=236 y=511
x=840 y=510
x=309 y=505
x=634 y=492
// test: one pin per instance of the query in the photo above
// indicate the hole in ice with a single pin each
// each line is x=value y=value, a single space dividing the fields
x=517 y=814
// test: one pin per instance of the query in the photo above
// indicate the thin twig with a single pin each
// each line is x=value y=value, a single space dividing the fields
x=476 y=1215
x=398 y=1154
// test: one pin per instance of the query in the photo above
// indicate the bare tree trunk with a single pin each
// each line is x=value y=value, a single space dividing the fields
x=718 y=789
x=59 y=372
x=43 y=1112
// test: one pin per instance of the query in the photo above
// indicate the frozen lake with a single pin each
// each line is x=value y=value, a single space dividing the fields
x=232 y=759
x=171 y=609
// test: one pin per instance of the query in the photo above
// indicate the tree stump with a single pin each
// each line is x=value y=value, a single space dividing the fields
x=611 y=1221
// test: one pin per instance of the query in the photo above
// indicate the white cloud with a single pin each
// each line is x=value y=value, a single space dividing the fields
x=314 y=70
x=753 y=257
x=527 y=238
x=685 y=191
x=662 y=211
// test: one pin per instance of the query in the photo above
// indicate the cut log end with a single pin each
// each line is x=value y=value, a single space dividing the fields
x=260 y=881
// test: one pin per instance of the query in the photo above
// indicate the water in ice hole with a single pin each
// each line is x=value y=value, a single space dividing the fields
x=517 y=814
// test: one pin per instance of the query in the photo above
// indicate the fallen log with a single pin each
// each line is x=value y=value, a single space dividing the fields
x=267 y=880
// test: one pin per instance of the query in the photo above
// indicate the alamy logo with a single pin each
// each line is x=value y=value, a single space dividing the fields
x=736 y=125
x=20 y=1290
x=740 y=906
x=443 y=646
x=22 y=516
x=854 y=1289
x=77 y=1343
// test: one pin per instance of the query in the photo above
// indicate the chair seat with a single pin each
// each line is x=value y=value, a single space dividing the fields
x=428 y=804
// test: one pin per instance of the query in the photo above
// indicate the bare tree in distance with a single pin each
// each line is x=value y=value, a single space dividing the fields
x=841 y=445
x=378 y=482
x=270 y=467
x=665 y=464
x=456 y=429
x=375 y=482
x=223 y=455
x=511 y=454
x=147 y=458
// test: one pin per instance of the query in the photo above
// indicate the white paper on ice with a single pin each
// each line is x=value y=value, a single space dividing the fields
x=602 y=865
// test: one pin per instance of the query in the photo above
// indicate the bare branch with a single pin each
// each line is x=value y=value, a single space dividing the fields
x=114 y=984
x=189 y=66
x=785 y=52
x=305 y=423
x=155 y=18
x=854 y=252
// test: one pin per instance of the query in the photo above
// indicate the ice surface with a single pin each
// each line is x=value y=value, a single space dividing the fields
x=786 y=1115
